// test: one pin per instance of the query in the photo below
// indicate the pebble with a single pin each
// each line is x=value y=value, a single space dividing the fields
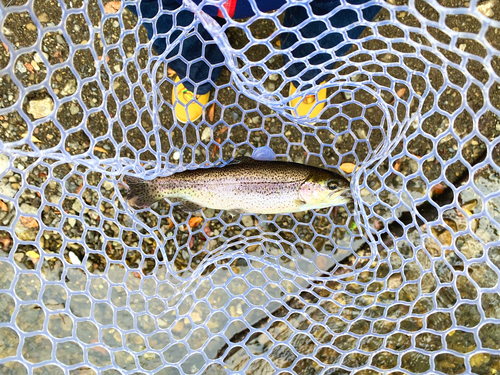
x=7 y=190
x=361 y=133
x=486 y=8
x=40 y=108
x=7 y=218
x=274 y=77
x=31 y=27
x=176 y=155
x=93 y=215
x=178 y=327
x=271 y=86
x=77 y=206
x=232 y=311
x=73 y=109
x=37 y=58
x=27 y=209
x=20 y=67
x=70 y=88
x=239 y=310
x=247 y=221
x=4 y=163
x=22 y=232
x=60 y=39
x=43 y=17
x=73 y=258
x=54 y=199
x=206 y=134
x=108 y=185
x=72 y=221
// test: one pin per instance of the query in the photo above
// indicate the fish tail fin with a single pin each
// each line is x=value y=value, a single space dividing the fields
x=142 y=193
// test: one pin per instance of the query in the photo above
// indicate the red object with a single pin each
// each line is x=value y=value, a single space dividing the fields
x=230 y=6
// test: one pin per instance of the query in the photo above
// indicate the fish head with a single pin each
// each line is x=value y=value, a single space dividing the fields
x=325 y=190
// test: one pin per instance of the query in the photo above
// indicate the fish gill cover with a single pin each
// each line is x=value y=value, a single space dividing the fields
x=403 y=280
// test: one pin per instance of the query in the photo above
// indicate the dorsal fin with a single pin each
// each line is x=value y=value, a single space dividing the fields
x=241 y=160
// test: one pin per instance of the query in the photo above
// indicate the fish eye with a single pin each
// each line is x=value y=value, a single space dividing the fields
x=330 y=184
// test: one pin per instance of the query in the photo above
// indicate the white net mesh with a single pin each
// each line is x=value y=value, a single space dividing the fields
x=404 y=280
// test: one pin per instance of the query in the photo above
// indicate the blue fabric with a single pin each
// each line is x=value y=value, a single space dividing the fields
x=295 y=15
x=243 y=7
x=199 y=75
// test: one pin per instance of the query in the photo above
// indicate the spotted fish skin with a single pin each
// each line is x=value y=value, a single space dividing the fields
x=247 y=186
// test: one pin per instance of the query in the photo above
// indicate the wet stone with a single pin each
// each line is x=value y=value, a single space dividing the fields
x=60 y=325
x=69 y=353
x=6 y=275
x=490 y=303
x=30 y=318
x=28 y=287
x=37 y=349
x=415 y=362
x=489 y=334
x=449 y=364
x=461 y=341
x=429 y=342
x=7 y=306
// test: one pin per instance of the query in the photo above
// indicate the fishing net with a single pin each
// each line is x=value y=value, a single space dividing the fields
x=403 y=280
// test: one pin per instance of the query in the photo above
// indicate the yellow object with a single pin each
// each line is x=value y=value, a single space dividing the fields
x=33 y=254
x=185 y=112
x=309 y=105
x=348 y=167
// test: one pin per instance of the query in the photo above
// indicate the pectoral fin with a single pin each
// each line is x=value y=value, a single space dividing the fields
x=188 y=206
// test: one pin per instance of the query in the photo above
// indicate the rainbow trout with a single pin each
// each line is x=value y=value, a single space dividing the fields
x=245 y=186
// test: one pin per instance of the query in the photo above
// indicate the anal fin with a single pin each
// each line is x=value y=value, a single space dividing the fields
x=188 y=206
x=236 y=212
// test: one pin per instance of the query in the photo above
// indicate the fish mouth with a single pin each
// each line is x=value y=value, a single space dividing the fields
x=345 y=195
